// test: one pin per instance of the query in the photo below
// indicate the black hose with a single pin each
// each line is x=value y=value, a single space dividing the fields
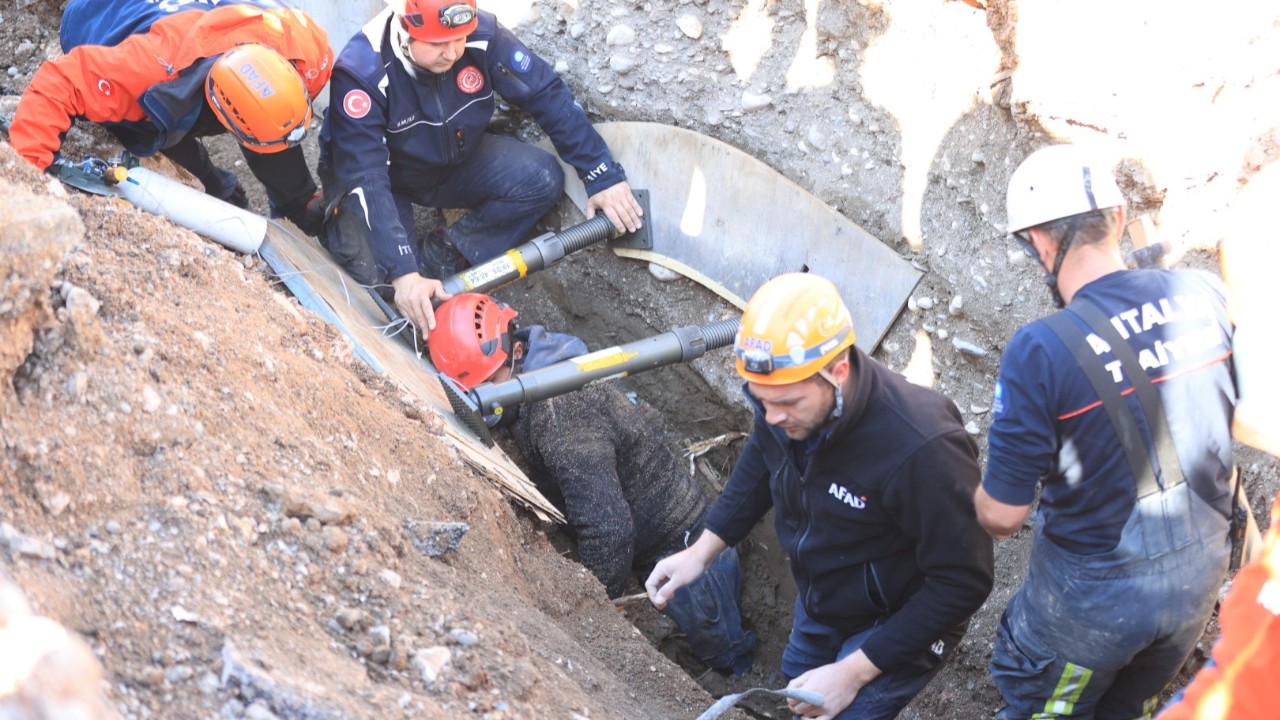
x=721 y=333
x=586 y=234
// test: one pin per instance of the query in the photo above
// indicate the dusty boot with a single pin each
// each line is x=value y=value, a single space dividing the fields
x=437 y=258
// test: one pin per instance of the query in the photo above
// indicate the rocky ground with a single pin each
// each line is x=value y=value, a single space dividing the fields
x=201 y=483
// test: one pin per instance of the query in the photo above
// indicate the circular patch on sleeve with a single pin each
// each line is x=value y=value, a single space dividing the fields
x=521 y=59
x=356 y=103
x=470 y=79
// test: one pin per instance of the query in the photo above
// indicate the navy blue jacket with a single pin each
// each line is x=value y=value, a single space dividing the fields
x=879 y=526
x=1051 y=430
x=389 y=121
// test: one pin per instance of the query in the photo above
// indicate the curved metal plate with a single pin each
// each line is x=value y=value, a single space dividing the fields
x=730 y=222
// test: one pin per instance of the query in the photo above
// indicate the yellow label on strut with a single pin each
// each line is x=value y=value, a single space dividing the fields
x=485 y=273
x=601 y=359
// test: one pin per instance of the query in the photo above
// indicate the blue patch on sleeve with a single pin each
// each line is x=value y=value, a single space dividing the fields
x=521 y=60
x=998 y=405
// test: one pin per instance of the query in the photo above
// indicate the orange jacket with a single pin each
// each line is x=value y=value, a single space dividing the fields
x=107 y=84
x=1243 y=683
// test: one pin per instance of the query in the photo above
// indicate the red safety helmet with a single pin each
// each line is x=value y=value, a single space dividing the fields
x=436 y=20
x=472 y=339
x=259 y=97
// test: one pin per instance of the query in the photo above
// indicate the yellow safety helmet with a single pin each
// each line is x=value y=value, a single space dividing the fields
x=259 y=97
x=792 y=327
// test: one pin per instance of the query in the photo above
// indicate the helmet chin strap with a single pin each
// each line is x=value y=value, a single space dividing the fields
x=838 y=410
x=1073 y=226
x=400 y=42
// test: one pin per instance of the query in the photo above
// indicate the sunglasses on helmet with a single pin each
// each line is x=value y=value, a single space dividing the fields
x=451 y=16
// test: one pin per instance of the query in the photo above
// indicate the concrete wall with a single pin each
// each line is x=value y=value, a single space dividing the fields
x=340 y=19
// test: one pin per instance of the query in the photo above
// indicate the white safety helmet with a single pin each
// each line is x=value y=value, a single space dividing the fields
x=1059 y=181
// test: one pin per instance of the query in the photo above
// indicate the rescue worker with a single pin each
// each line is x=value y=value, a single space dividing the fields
x=1239 y=683
x=1119 y=408
x=412 y=96
x=871 y=481
x=602 y=462
x=161 y=75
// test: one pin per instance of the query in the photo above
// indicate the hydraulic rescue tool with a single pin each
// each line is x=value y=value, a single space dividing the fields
x=537 y=254
x=546 y=250
x=679 y=345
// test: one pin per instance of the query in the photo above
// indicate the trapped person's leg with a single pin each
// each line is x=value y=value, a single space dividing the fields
x=508 y=185
x=708 y=614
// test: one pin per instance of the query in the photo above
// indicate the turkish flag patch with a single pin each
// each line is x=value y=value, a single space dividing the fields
x=356 y=104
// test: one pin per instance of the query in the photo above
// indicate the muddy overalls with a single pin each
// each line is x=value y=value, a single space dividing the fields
x=1101 y=635
x=1121 y=624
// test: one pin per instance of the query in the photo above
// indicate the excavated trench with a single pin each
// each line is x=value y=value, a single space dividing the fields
x=607 y=300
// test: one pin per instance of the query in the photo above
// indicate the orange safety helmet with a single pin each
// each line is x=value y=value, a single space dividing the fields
x=260 y=97
x=436 y=20
x=472 y=339
x=791 y=328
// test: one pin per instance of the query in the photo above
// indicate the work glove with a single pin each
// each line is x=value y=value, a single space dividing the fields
x=238 y=197
x=310 y=218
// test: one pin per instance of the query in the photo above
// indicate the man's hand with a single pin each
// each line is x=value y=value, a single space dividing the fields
x=619 y=205
x=838 y=683
x=413 y=298
x=674 y=572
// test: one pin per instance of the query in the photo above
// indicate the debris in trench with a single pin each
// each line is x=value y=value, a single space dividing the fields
x=434 y=539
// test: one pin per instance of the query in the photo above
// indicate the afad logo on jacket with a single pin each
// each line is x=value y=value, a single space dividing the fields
x=842 y=494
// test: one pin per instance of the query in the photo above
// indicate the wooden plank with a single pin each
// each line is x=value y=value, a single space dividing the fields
x=325 y=288
x=730 y=222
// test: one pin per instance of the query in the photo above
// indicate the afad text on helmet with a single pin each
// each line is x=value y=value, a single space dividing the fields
x=256 y=81
x=755 y=343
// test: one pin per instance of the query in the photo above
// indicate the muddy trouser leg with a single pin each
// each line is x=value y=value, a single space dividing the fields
x=508 y=185
x=190 y=154
x=813 y=645
x=1093 y=637
x=287 y=180
x=346 y=234
x=707 y=612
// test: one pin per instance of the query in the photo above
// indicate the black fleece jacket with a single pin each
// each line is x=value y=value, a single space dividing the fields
x=880 y=527
x=624 y=494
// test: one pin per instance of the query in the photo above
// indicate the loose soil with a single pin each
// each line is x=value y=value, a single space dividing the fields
x=202 y=483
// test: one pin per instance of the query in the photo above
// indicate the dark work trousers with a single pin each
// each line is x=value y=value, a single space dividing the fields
x=190 y=154
x=1099 y=636
x=506 y=184
x=284 y=175
x=813 y=645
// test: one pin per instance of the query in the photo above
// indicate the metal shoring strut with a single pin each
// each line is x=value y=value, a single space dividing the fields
x=679 y=345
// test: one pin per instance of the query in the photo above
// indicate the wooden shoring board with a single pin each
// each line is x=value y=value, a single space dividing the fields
x=326 y=289
x=730 y=222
